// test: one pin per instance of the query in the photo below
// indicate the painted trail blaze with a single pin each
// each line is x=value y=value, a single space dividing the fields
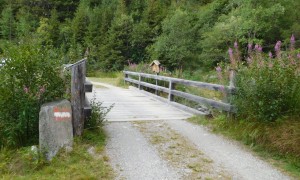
x=62 y=114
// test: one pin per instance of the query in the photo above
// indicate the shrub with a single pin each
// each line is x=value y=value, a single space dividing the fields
x=29 y=78
x=98 y=114
x=267 y=87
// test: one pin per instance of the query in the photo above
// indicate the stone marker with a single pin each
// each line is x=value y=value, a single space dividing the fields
x=55 y=127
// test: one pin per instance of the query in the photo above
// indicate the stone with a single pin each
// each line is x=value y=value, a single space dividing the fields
x=55 y=128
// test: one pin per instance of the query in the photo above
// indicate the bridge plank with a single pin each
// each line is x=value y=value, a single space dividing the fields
x=131 y=105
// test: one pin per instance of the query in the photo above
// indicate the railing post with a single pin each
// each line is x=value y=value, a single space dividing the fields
x=156 y=83
x=140 y=79
x=232 y=78
x=125 y=76
x=232 y=87
x=171 y=87
x=78 y=97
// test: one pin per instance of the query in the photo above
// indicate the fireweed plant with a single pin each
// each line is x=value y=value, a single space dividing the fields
x=268 y=85
x=29 y=78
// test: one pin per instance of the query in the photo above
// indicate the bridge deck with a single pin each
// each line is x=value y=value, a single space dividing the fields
x=131 y=105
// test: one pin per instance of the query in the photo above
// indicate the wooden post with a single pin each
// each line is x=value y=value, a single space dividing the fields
x=171 y=87
x=139 y=85
x=126 y=76
x=232 y=78
x=78 y=97
x=232 y=86
x=156 y=83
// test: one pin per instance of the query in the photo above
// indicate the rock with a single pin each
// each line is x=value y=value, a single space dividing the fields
x=55 y=128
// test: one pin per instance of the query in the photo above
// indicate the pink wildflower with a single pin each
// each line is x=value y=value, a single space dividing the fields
x=298 y=55
x=236 y=45
x=219 y=70
x=259 y=49
x=293 y=40
x=250 y=46
x=277 y=46
x=230 y=52
x=270 y=55
x=293 y=62
x=26 y=90
x=42 y=89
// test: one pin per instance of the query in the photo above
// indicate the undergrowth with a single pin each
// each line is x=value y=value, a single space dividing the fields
x=79 y=164
x=277 y=142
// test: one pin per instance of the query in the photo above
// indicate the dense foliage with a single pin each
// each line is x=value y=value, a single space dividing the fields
x=29 y=78
x=183 y=34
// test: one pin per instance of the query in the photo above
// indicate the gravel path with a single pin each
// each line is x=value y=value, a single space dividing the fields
x=235 y=159
x=139 y=151
x=132 y=156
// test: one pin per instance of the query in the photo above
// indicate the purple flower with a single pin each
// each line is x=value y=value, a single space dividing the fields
x=293 y=62
x=218 y=69
x=277 y=46
x=250 y=46
x=42 y=89
x=236 y=45
x=26 y=90
x=298 y=55
x=259 y=49
x=270 y=55
x=293 y=39
x=230 y=52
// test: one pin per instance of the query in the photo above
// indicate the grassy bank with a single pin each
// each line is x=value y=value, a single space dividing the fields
x=112 y=78
x=277 y=143
x=78 y=164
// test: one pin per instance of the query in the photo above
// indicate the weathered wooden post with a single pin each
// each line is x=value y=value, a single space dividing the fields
x=232 y=89
x=156 y=84
x=125 y=77
x=139 y=85
x=232 y=78
x=171 y=87
x=78 y=97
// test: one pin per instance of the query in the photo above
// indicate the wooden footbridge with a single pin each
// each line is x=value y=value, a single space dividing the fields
x=136 y=104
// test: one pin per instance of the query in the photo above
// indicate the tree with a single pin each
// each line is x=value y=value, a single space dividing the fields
x=176 y=46
x=7 y=23
x=117 y=49
x=26 y=23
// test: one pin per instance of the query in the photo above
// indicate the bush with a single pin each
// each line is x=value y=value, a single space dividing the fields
x=98 y=114
x=29 y=78
x=267 y=87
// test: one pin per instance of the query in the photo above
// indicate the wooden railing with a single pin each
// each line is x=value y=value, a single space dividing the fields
x=225 y=106
x=81 y=108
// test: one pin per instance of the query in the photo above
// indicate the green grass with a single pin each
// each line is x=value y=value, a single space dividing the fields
x=112 y=78
x=269 y=141
x=78 y=164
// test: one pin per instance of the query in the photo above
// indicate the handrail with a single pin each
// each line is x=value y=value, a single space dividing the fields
x=79 y=86
x=68 y=66
x=172 y=92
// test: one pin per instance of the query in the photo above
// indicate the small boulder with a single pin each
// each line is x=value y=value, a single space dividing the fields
x=55 y=128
